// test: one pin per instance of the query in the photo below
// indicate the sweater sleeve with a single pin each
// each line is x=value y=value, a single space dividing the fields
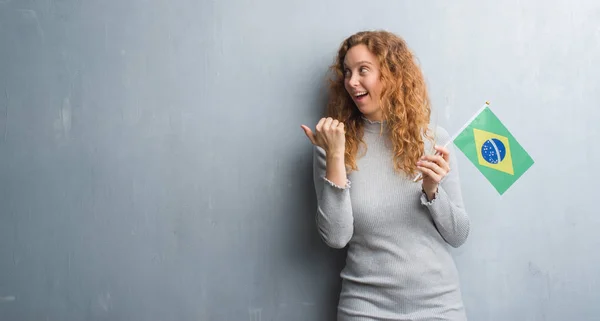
x=447 y=208
x=334 y=218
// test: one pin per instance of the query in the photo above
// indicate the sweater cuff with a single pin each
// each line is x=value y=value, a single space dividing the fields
x=347 y=186
x=425 y=201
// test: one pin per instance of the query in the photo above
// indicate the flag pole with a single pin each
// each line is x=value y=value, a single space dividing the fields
x=487 y=104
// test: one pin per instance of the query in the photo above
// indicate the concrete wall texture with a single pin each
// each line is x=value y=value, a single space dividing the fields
x=152 y=165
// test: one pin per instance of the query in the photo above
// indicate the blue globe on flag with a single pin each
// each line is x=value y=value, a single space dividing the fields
x=493 y=151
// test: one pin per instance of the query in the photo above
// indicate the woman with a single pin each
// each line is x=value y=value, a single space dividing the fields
x=368 y=150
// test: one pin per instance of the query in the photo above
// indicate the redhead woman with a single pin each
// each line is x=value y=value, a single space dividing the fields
x=368 y=149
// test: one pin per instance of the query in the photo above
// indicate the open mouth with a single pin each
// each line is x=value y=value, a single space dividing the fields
x=360 y=95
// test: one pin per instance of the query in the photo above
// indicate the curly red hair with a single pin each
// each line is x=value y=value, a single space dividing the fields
x=404 y=99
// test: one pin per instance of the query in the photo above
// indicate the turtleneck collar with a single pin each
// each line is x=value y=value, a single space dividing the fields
x=374 y=126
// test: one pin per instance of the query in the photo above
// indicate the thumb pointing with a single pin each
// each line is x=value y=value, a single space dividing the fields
x=309 y=134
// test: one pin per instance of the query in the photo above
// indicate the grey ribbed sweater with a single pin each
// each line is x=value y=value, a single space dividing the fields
x=398 y=266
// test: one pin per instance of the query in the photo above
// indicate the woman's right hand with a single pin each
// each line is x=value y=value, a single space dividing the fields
x=329 y=135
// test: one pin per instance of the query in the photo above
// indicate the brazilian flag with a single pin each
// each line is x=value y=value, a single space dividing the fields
x=493 y=150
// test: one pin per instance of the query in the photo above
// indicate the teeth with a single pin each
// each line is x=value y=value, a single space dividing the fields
x=361 y=93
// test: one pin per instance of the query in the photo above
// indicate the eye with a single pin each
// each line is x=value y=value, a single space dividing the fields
x=346 y=72
x=363 y=69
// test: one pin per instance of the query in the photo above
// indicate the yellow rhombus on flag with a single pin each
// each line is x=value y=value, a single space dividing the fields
x=494 y=151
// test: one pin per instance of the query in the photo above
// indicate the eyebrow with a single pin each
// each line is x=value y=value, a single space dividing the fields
x=360 y=63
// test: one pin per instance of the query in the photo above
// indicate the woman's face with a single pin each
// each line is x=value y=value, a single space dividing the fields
x=362 y=79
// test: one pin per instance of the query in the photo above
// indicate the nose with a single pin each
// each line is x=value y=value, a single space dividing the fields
x=353 y=81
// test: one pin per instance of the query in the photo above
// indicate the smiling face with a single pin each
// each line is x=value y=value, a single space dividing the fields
x=362 y=80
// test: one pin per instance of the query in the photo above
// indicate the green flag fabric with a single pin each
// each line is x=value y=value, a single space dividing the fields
x=493 y=150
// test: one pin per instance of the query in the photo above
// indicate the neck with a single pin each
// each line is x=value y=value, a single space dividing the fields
x=375 y=115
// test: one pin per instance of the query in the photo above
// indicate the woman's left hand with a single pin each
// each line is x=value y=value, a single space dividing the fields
x=434 y=169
